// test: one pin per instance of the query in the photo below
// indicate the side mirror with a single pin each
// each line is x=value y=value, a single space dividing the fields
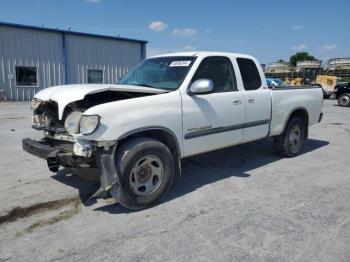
x=201 y=86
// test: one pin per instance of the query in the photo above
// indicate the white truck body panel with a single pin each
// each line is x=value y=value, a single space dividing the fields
x=285 y=101
x=121 y=117
x=258 y=113
x=209 y=112
x=258 y=108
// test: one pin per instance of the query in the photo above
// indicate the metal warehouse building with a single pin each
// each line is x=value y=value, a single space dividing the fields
x=33 y=58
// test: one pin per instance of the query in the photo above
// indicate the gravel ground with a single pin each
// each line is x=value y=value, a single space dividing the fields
x=238 y=204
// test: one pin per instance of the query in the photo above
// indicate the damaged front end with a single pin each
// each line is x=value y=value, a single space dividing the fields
x=92 y=156
x=100 y=159
x=59 y=146
x=60 y=153
x=64 y=143
x=89 y=159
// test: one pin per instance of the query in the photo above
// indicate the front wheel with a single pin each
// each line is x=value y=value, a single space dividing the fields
x=289 y=143
x=344 y=99
x=146 y=170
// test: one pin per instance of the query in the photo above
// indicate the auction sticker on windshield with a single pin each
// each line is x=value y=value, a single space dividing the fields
x=180 y=63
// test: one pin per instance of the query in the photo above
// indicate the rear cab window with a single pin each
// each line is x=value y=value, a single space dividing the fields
x=250 y=74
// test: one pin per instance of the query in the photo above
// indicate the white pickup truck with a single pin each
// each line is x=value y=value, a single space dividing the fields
x=169 y=107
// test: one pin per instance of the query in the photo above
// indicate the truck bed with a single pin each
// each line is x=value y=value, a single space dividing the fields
x=287 y=99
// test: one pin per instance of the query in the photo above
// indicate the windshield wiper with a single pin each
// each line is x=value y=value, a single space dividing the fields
x=145 y=85
x=136 y=84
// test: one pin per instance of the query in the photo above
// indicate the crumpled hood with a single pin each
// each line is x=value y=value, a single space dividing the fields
x=65 y=94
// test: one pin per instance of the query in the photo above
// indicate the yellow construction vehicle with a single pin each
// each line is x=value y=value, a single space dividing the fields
x=296 y=81
x=327 y=83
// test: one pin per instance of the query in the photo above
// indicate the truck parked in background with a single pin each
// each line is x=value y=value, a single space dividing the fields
x=342 y=94
x=327 y=83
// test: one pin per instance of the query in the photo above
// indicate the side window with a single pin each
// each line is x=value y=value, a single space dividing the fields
x=26 y=76
x=220 y=71
x=250 y=74
x=95 y=76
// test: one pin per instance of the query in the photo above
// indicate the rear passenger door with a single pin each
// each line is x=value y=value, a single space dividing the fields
x=257 y=99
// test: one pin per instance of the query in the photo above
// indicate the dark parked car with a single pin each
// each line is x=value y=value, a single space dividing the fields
x=342 y=94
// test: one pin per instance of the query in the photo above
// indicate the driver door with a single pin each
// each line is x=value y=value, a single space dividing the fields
x=215 y=120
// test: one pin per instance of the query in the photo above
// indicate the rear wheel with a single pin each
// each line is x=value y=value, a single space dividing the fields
x=146 y=169
x=344 y=99
x=291 y=141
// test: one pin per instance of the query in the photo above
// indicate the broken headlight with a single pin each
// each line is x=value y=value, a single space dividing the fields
x=88 y=124
x=72 y=122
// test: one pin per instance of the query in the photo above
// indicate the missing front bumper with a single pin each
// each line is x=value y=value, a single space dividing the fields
x=104 y=161
x=42 y=150
x=39 y=149
x=56 y=155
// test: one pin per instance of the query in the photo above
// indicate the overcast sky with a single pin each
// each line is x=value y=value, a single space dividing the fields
x=269 y=30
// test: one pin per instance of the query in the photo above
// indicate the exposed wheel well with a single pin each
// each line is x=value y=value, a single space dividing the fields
x=301 y=113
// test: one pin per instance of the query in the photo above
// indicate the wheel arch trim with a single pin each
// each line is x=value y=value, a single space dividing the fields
x=291 y=113
x=153 y=128
x=140 y=130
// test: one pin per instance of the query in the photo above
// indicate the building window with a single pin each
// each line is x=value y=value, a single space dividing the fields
x=95 y=76
x=26 y=76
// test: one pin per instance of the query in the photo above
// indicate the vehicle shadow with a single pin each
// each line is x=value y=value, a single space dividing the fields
x=197 y=171
x=85 y=187
x=211 y=167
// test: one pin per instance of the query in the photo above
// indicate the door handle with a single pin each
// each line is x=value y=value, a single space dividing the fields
x=251 y=100
x=237 y=102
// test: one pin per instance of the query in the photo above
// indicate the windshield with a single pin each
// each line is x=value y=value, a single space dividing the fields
x=162 y=72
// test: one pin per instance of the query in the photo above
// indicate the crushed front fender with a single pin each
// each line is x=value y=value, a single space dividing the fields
x=107 y=170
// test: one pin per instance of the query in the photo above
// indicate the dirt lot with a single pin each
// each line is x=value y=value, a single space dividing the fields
x=238 y=204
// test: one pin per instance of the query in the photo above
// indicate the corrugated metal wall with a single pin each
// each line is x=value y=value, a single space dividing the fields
x=44 y=50
x=113 y=57
x=20 y=47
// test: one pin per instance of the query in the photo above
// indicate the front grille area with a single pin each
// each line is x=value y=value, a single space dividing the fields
x=46 y=117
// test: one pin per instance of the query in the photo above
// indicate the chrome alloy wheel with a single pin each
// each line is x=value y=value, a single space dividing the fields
x=295 y=138
x=147 y=175
x=344 y=100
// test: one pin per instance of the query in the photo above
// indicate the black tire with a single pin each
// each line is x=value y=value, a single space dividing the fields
x=344 y=99
x=126 y=158
x=325 y=96
x=283 y=145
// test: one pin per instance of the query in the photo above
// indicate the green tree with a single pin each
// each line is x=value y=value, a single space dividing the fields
x=301 y=56
x=280 y=60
